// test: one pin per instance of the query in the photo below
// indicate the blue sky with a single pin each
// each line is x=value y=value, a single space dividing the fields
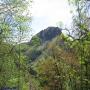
x=49 y=13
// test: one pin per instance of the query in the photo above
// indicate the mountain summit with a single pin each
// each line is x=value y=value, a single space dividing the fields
x=47 y=34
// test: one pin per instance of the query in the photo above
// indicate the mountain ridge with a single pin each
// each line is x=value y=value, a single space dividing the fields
x=46 y=35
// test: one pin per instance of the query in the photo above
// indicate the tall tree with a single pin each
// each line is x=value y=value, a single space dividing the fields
x=14 y=20
x=81 y=37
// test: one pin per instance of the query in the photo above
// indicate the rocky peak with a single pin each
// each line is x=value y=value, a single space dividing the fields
x=49 y=33
x=45 y=35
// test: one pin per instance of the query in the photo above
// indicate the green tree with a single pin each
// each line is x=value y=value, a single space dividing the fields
x=81 y=39
x=14 y=20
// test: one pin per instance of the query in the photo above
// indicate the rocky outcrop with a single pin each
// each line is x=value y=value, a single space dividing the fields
x=47 y=34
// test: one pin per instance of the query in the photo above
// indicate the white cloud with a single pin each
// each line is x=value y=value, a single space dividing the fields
x=51 y=12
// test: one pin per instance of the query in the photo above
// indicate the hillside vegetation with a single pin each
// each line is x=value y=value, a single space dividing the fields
x=56 y=63
x=51 y=60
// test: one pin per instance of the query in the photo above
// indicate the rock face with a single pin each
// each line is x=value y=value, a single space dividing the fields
x=48 y=34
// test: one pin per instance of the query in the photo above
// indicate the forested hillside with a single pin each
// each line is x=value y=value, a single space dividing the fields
x=53 y=59
x=56 y=63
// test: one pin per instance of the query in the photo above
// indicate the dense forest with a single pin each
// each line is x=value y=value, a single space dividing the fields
x=51 y=60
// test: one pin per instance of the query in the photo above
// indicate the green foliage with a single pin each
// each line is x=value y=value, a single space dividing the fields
x=35 y=41
x=60 y=64
x=13 y=23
